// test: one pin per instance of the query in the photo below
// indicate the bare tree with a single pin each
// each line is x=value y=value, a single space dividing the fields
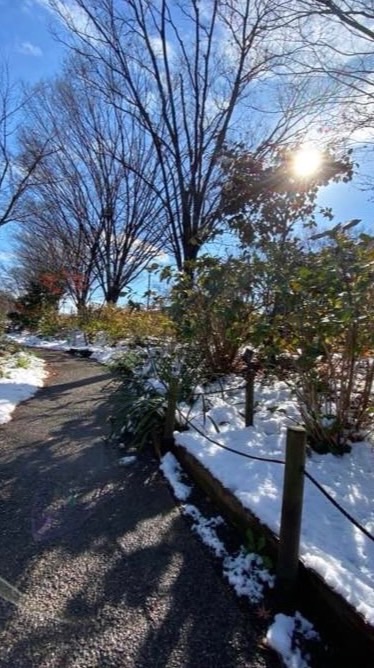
x=103 y=212
x=356 y=14
x=196 y=76
x=39 y=251
x=16 y=169
x=339 y=45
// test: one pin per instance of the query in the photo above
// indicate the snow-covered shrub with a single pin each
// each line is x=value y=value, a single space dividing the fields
x=146 y=374
x=140 y=401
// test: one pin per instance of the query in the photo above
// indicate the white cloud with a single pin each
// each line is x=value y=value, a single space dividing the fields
x=362 y=135
x=6 y=256
x=157 y=45
x=29 y=49
x=69 y=12
x=27 y=6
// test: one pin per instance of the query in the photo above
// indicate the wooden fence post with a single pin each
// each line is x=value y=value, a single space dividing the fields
x=292 y=505
x=249 y=397
x=171 y=410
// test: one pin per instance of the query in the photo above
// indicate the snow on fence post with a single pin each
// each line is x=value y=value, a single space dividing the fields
x=292 y=506
x=172 y=397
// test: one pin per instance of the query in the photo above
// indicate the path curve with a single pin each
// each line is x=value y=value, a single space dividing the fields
x=111 y=574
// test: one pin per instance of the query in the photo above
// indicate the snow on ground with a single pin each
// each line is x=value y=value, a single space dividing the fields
x=206 y=529
x=330 y=544
x=34 y=341
x=245 y=571
x=287 y=635
x=173 y=472
x=102 y=353
x=127 y=461
x=20 y=376
x=246 y=574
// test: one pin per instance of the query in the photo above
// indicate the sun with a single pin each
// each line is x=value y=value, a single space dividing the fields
x=306 y=161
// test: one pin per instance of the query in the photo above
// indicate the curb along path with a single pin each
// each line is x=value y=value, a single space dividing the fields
x=111 y=574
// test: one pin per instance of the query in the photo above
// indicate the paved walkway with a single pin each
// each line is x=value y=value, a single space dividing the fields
x=111 y=574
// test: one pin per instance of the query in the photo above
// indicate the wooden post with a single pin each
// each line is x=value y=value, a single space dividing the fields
x=171 y=409
x=292 y=505
x=249 y=398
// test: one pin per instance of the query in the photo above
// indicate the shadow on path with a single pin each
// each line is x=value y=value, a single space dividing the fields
x=111 y=574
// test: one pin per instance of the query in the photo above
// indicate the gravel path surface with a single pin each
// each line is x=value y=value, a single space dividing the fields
x=111 y=573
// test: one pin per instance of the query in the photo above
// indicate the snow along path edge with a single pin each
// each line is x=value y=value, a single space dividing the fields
x=19 y=383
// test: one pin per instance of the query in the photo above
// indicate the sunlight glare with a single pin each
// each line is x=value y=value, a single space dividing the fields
x=306 y=161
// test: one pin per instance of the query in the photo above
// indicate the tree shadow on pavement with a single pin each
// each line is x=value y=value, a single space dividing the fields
x=150 y=595
x=111 y=574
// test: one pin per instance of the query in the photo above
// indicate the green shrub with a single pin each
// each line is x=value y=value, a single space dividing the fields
x=9 y=347
x=124 y=323
x=22 y=360
x=139 y=411
x=140 y=404
x=51 y=323
x=40 y=299
x=211 y=313
x=323 y=337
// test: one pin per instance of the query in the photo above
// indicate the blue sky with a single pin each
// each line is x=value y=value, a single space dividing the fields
x=33 y=53
x=26 y=42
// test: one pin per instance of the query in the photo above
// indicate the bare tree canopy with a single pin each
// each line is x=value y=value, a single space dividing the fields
x=338 y=45
x=356 y=14
x=196 y=76
x=16 y=169
x=94 y=199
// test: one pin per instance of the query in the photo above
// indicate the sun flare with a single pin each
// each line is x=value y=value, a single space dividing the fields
x=306 y=161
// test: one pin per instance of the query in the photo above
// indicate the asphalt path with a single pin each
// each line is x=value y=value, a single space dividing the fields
x=109 y=570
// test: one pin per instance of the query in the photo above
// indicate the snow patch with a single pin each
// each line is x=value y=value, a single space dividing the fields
x=19 y=383
x=245 y=572
x=286 y=636
x=247 y=575
x=173 y=473
x=127 y=461
x=205 y=528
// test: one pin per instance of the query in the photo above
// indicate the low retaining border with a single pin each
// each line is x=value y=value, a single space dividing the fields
x=336 y=614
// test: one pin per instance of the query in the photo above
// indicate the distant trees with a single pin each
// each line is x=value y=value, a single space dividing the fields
x=40 y=299
x=195 y=76
x=46 y=243
x=7 y=302
x=92 y=211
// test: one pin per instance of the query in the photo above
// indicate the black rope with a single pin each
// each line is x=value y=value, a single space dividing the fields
x=339 y=507
x=226 y=447
x=280 y=461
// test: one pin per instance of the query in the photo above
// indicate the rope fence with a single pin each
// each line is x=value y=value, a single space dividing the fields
x=323 y=491
x=338 y=506
x=226 y=447
x=293 y=480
